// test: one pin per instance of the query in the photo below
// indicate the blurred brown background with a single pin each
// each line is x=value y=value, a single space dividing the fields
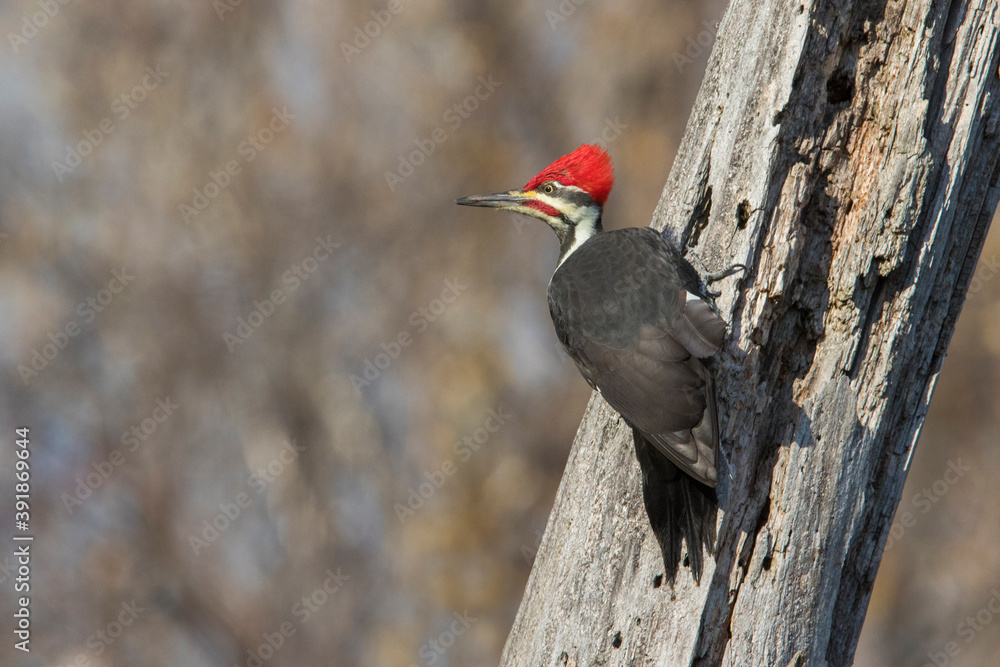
x=291 y=406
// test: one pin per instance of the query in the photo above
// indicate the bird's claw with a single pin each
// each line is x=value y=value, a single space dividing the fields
x=725 y=273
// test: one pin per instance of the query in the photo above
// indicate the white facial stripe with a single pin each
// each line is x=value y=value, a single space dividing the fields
x=564 y=207
x=569 y=209
x=586 y=218
x=534 y=212
x=583 y=218
x=581 y=234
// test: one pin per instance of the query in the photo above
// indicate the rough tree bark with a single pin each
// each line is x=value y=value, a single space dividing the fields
x=847 y=153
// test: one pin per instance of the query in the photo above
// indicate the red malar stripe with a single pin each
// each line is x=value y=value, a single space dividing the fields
x=539 y=205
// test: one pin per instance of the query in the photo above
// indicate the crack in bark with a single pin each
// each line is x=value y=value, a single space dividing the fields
x=876 y=300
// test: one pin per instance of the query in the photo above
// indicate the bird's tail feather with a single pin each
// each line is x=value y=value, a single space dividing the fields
x=678 y=507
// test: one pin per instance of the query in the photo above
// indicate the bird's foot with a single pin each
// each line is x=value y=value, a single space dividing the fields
x=708 y=277
x=724 y=273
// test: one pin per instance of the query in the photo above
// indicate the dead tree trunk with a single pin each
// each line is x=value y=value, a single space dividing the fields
x=847 y=153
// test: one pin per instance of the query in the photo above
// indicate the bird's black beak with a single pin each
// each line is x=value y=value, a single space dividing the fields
x=495 y=200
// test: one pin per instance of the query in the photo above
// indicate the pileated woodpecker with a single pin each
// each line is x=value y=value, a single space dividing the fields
x=634 y=316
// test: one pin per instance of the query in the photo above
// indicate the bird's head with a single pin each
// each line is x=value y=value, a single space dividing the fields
x=568 y=196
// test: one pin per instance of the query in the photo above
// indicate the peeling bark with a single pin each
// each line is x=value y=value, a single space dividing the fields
x=848 y=154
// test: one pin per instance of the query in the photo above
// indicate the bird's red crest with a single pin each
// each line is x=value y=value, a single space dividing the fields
x=588 y=168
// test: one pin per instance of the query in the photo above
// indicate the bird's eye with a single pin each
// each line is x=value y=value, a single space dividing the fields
x=548 y=189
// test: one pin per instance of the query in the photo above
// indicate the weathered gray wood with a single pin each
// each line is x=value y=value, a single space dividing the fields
x=847 y=153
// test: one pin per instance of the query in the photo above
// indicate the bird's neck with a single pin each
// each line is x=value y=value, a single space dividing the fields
x=587 y=224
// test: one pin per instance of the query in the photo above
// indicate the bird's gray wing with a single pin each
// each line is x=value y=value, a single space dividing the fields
x=662 y=390
x=625 y=313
